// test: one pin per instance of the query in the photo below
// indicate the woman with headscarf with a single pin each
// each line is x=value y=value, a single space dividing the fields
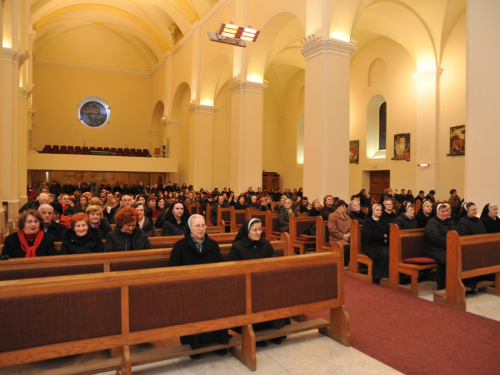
x=375 y=243
x=470 y=224
x=406 y=218
x=356 y=213
x=490 y=219
x=424 y=214
x=339 y=226
x=29 y=241
x=249 y=244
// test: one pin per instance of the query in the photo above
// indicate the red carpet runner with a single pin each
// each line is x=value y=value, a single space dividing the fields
x=419 y=337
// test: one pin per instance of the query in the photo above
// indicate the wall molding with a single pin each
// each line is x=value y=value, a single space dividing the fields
x=335 y=46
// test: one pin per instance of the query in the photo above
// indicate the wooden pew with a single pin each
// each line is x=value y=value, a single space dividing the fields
x=257 y=214
x=237 y=219
x=1 y=236
x=357 y=255
x=76 y=264
x=272 y=225
x=120 y=309
x=466 y=257
x=225 y=214
x=193 y=209
x=407 y=256
x=209 y=230
x=322 y=235
x=297 y=226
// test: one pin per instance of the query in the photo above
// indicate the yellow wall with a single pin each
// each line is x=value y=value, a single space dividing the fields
x=222 y=139
x=58 y=92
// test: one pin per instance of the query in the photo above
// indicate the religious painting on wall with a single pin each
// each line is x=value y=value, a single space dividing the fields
x=354 y=151
x=402 y=146
x=457 y=140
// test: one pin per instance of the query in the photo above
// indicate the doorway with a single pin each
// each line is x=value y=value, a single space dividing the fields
x=379 y=181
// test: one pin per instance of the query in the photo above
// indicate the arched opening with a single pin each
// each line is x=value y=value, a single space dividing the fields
x=375 y=136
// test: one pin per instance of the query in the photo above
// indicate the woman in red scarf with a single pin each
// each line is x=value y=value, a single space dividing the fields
x=29 y=241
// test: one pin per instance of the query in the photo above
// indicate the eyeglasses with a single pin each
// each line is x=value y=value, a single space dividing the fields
x=199 y=226
x=32 y=222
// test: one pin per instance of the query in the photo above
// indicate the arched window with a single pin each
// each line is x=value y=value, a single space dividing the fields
x=382 y=126
x=376 y=128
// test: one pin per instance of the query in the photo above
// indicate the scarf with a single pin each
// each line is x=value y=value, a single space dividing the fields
x=199 y=244
x=30 y=250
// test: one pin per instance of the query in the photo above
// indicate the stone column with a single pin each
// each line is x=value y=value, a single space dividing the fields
x=3 y=108
x=201 y=146
x=482 y=182
x=326 y=118
x=24 y=116
x=247 y=118
x=427 y=128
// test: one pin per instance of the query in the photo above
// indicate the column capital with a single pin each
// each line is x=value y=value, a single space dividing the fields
x=25 y=93
x=31 y=112
x=335 y=46
x=236 y=85
x=16 y=57
x=195 y=108
x=427 y=75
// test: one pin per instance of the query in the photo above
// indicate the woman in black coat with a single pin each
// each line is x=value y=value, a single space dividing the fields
x=81 y=238
x=284 y=215
x=424 y=214
x=470 y=224
x=406 y=218
x=144 y=222
x=355 y=212
x=375 y=243
x=490 y=219
x=126 y=235
x=175 y=223
x=241 y=204
x=97 y=220
x=29 y=241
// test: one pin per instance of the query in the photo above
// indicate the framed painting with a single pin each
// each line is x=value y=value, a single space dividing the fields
x=457 y=140
x=354 y=151
x=402 y=146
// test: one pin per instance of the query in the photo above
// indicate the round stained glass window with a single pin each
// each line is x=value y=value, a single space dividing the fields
x=94 y=112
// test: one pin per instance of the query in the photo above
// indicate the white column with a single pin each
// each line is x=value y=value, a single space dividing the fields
x=3 y=108
x=201 y=145
x=247 y=119
x=427 y=128
x=326 y=118
x=482 y=182
x=24 y=116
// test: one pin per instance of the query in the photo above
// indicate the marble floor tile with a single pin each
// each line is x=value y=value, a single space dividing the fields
x=265 y=365
x=208 y=364
x=324 y=347
x=359 y=364
x=164 y=367
x=322 y=368
x=292 y=356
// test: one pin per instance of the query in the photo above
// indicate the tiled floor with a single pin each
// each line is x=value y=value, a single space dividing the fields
x=304 y=353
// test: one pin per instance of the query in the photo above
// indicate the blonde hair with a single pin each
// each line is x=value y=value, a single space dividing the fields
x=94 y=208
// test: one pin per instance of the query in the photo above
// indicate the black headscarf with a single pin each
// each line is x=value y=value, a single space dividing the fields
x=491 y=225
x=245 y=229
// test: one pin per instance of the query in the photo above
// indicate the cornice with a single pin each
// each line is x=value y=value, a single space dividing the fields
x=171 y=124
x=235 y=86
x=432 y=74
x=194 y=108
x=334 y=46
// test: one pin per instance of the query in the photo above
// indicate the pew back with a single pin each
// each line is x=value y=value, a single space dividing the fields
x=237 y=219
x=297 y=227
x=357 y=255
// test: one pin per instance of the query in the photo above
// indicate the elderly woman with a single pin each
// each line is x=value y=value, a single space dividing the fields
x=284 y=215
x=406 y=219
x=29 y=241
x=97 y=221
x=127 y=235
x=241 y=204
x=339 y=226
x=355 y=212
x=375 y=243
x=81 y=238
x=197 y=248
x=316 y=208
x=424 y=215
x=144 y=222
x=249 y=244
x=176 y=219
x=490 y=219
x=470 y=224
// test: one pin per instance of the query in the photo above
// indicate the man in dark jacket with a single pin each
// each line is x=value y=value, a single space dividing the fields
x=50 y=226
x=197 y=248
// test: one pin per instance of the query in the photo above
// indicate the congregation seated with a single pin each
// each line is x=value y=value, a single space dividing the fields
x=339 y=227
x=127 y=235
x=406 y=218
x=144 y=222
x=198 y=248
x=97 y=220
x=424 y=214
x=223 y=204
x=284 y=215
x=176 y=218
x=470 y=224
x=375 y=243
x=49 y=224
x=355 y=212
x=81 y=238
x=30 y=240
x=490 y=219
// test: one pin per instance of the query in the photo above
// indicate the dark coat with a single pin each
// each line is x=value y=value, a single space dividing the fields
x=185 y=253
x=405 y=222
x=148 y=228
x=372 y=237
x=422 y=219
x=491 y=225
x=116 y=240
x=326 y=211
x=388 y=217
x=213 y=212
x=244 y=249
x=359 y=216
x=105 y=228
x=435 y=235
x=56 y=230
x=314 y=212
x=173 y=229
x=12 y=246
x=90 y=243
x=284 y=219
x=470 y=225
x=160 y=219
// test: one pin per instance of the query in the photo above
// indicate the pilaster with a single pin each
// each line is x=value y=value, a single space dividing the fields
x=247 y=118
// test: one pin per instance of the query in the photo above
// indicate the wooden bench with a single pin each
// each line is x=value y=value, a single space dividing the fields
x=322 y=235
x=357 y=255
x=238 y=217
x=297 y=227
x=209 y=230
x=193 y=209
x=120 y=309
x=273 y=225
x=466 y=257
x=407 y=256
x=77 y=264
x=225 y=214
